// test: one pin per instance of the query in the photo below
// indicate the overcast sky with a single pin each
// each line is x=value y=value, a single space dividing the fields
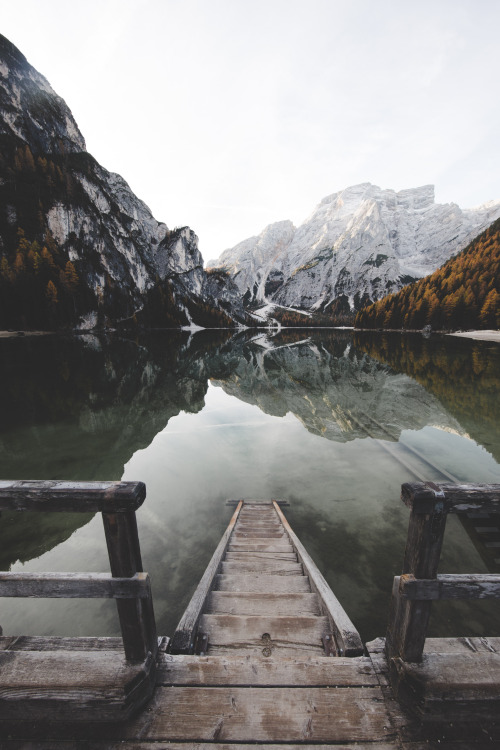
x=227 y=115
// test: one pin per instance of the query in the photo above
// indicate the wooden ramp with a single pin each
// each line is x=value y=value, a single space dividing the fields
x=262 y=595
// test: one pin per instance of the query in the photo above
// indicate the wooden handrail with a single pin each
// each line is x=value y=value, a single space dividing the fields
x=71 y=497
x=414 y=591
x=74 y=586
x=128 y=584
x=464 y=586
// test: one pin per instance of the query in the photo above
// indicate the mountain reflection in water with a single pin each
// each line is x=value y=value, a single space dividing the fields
x=206 y=416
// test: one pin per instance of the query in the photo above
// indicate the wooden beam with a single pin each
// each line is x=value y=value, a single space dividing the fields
x=73 y=497
x=348 y=637
x=136 y=616
x=183 y=639
x=74 y=585
x=421 y=497
x=450 y=587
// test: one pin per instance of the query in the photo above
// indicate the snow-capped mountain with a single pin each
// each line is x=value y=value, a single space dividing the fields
x=360 y=241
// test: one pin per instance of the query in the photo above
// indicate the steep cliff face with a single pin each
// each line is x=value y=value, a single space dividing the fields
x=360 y=241
x=59 y=206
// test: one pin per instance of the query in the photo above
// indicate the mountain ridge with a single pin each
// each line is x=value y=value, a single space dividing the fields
x=78 y=248
x=358 y=243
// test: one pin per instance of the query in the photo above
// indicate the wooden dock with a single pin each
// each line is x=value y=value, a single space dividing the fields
x=264 y=654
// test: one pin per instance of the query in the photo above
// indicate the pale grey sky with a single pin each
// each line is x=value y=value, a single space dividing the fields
x=227 y=115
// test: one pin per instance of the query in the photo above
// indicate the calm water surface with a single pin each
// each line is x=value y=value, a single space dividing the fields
x=332 y=421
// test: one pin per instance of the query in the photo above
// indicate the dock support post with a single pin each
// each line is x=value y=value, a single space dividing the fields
x=408 y=620
x=136 y=616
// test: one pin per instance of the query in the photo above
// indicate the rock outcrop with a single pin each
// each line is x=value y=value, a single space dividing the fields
x=59 y=206
x=358 y=243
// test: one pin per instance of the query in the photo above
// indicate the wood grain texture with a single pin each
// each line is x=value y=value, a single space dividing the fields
x=74 y=497
x=72 y=685
x=251 y=671
x=233 y=714
x=183 y=639
x=262 y=603
x=74 y=585
x=271 y=567
x=456 y=498
x=250 y=631
x=446 y=586
x=263 y=583
x=346 y=634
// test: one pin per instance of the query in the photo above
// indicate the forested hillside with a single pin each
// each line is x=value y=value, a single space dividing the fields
x=464 y=293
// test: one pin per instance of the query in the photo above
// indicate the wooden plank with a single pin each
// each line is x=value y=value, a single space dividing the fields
x=254 y=534
x=285 y=568
x=408 y=620
x=72 y=685
x=54 y=643
x=260 y=546
x=75 y=497
x=456 y=498
x=261 y=582
x=450 y=587
x=133 y=745
x=244 y=555
x=232 y=714
x=258 y=632
x=346 y=634
x=137 y=621
x=263 y=603
x=447 y=645
x=450 y=678
x=239 y=670
x=74 y=585
x=183 y=639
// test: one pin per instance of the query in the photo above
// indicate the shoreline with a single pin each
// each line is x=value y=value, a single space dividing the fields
x=478 y=335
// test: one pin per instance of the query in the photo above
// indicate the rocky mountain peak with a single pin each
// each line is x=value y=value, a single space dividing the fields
x=30 y=108
x=363 y=241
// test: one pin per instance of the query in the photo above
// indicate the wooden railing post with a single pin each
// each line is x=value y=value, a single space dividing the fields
x=136 y=615
x=408 y=620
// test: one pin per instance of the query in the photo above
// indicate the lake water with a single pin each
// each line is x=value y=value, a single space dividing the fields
x=333 y=421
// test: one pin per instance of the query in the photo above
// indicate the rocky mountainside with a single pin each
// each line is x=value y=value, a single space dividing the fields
x=362 y=242
x=77 y=247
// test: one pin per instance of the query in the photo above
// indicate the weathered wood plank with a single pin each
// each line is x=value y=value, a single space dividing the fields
x=241 y=670
x=133 y=745
x=346 y=634
x=285 y=568
x=260 y=546
x=264 y=631
x=75 y=497
x=137 y=621
x=266 y=603
x=53 y=643
x=245 y=555
x=448 y=645
x=263 y=583
x=234 y=714
x=448 y=586
x=183 y=639
x=456 y=498
x=448 y=681
x=72 y=685
x=74 y=585
x=408 y=620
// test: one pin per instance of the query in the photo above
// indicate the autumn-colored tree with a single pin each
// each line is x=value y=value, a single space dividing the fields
x=51 y=294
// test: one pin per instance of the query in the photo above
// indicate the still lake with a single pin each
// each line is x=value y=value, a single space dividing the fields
x=333 y=421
